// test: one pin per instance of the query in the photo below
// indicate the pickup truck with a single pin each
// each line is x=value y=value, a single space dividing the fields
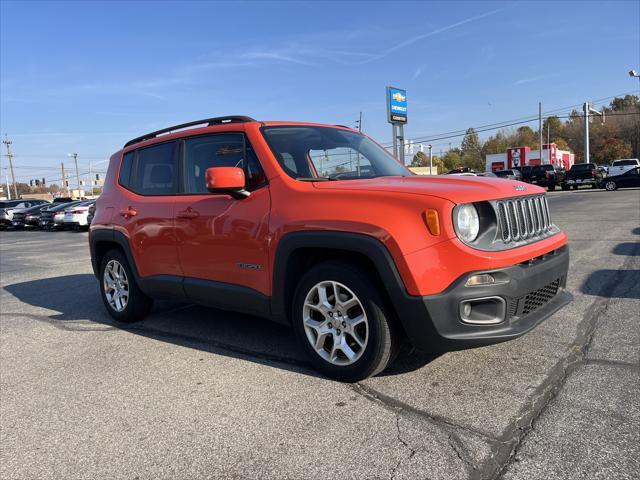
x=582 y=174
x=547 y=176
x=618 y=167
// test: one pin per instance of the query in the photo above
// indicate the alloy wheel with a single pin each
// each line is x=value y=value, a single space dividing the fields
x=610 y=186
x=116 y=285
x=335 y=323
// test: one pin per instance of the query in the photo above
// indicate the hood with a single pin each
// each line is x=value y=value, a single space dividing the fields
x=455 y=188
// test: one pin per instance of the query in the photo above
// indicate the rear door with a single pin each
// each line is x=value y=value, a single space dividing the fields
x=149 y=181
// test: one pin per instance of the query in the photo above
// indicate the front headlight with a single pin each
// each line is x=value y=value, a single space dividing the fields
x=466 y=222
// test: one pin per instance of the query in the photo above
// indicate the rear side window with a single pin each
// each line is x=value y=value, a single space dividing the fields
x=125 y=170
x=155 y=170
x=621 y=163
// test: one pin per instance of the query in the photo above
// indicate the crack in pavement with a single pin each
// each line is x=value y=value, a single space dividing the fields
x=505 y=450
x=412 y=451
x=611 y=363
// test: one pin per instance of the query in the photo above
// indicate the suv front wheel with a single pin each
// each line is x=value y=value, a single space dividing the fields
x=342 y=322
x=120 y=293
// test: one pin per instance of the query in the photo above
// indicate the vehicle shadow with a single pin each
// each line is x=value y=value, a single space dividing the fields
x=631 y=249
x=636 y=231
x=613 y=284
x=76 y=305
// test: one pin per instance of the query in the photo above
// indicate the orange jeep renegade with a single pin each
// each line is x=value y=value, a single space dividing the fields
x=320 y=228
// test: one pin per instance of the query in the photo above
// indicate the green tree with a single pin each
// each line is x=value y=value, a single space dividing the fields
x=452 y=159
x=526 y=137
x=553 y=126
x=421 y=159
x=498 y=143
x=628 y=101
x=471 y=149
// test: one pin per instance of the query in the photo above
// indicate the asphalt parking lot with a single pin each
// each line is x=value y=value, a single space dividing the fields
x=194 y=393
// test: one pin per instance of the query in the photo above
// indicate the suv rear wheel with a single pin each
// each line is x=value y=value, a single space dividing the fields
x=342 y=322
x=120 y=293
x=610 y=185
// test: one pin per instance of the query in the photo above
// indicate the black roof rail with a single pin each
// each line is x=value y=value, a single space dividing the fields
x=209 y=121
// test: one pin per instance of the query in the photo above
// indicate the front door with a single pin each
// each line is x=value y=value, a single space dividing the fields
x=220 y=238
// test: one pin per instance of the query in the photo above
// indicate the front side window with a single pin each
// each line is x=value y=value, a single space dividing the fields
x=222 y=150
x=327 y=153
x=156 y=172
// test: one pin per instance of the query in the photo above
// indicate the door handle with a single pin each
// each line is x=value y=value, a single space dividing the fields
x=188 y=213
x=128 y=212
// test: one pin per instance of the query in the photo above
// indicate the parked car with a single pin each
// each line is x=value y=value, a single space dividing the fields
x=525 y=173
x=582 y=174
x=509 y=174
x=7 y=207
x=76 y=216
x=461 y=171
x=486 y=174
x=32 y=219
x=618 y=167
x=548 y=176
x=630 y=178
x=268 y=218
x=20 y=216
x=53 y=217
x=604 y=169
x=91 y=213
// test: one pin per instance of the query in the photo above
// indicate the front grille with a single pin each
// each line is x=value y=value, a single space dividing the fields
x=529 y=303
x=540 y=297
x=520 y=219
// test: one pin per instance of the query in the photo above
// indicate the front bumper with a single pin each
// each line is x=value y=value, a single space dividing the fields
x=533 y=291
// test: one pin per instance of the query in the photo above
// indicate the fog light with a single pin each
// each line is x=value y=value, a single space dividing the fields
x=466 y=310
x=480 y=279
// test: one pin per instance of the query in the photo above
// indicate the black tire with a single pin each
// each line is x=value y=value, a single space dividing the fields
x=138 y=304
x=565 y=187
x=593 y=185
x=384 y=337
x=552 y=187
x=575 y=187
x=610 y=185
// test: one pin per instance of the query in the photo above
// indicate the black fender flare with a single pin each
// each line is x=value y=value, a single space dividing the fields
x=109 y=235
x=363 y=244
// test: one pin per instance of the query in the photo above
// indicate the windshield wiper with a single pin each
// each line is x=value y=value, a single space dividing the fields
x=316 y=179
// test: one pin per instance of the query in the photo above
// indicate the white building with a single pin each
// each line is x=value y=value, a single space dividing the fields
x=521 y=156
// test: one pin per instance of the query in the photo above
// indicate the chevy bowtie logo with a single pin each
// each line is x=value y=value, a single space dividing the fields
x=520 y=188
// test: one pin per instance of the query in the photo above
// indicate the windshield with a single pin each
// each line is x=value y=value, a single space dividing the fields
x=583 y=166
x=619 y=163
x=330 y=153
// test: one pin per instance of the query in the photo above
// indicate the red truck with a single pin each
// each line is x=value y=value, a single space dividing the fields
x=320 y=228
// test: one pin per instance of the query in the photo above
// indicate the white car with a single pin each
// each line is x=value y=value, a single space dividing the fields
x=618 y=167
x=76 y=216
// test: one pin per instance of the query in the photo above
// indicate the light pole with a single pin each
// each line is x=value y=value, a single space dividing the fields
x=75 y=159
x=430 y=159
x=633 y=73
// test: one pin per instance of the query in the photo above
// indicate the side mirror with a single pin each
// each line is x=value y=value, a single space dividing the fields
x=228 y=180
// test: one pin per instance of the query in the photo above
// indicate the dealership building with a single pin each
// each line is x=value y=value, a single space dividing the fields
x=521 y=156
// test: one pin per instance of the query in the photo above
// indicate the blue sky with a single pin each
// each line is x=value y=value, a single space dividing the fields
x=87 y=76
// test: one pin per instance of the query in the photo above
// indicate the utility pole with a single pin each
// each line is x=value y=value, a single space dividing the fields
x=64 y=179
x=6 y=177
x=430 y=159
x=75 y=159
x=359 y=122
x=9 y=155
x=540 y=131
x=587 y=110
